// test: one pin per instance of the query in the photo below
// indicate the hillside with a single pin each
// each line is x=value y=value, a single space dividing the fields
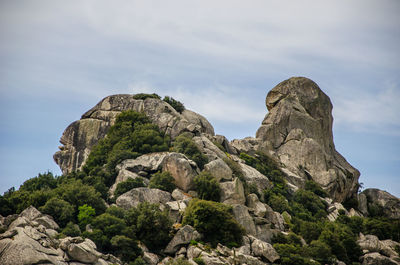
x=146 y=181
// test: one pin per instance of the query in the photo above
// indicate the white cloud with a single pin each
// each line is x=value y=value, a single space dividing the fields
x=372 y=111
x=217 y=103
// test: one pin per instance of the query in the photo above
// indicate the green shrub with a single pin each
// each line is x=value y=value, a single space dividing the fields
x=144 y=96
x=138 y=261
x=132 y=135
x=42 y=181
x=278 y=203
x=320 y=252
x=150 y=225
x=62 y=211
x=185 y=145
x=178 y=106
x=309 y=201
x=85 y=215
x=214 y=220
x=315 y=188
x=163 y=181
x=71 y=229
x=127 y=185
x=199 y=261
x=125 y=248
x=207 y=186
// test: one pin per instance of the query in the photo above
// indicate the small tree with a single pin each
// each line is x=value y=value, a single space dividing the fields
x=163 y=181
x=215 y=221
x=85 y=215
x=207 y=186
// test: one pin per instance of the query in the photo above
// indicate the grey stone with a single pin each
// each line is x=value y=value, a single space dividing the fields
x=389 y=203
x=297 y=131
x=370 y=243
x=255 y=178
x=242 y=216
x=181 y=169
x=79 y=137
x=182 y=237
x=138 y=195
x=254 y=203
x=232 y=192
x=219 y=169
x=150 y=258
x=263 y=249
x=377 y=259
x=207 y=147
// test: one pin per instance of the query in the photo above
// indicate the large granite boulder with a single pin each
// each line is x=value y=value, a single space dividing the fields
x=182 y=237
x=382 y=202
x=182 y=169
x=79 y=137
x=138 y=195
x=297 y=131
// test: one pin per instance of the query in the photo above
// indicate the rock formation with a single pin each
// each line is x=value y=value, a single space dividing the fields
x=297 y=131
x=384 y=203
x=32 y=239
x=79 y=137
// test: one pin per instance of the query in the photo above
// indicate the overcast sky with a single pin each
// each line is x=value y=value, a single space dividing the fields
x=220 y=58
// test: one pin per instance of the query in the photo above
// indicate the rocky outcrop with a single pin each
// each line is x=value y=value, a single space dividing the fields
x=378 y=252
x=182 y=237
x=79 y=137
x=297 y=131
x=382 y=202
x=178 y=165
x=138 y=195
x=30 y=240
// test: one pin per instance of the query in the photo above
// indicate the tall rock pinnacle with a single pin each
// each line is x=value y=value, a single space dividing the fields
x=297 y=131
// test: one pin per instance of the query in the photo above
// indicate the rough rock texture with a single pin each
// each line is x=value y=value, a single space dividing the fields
x=29 y=241
x=377 y=259
x=255 y=178
x=298 y=132
x=138 y=195
x=389 y=203
x=181 y=168
x=207 y=147
x=219 y=169
x=182 y=237
x=242 y=216
x=232 y=192
x=79 y=137
x=263 y=249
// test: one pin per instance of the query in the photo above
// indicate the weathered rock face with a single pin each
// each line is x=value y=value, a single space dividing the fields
x=298 y=132
x=389 y=204
x=31 y=239
x=79 y=137
x=138 y=195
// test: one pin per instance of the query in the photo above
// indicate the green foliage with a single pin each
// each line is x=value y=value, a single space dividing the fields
x=71 y=229
x=199 y=261
x=315 y=188
x=178 y=106
x=144 y=96
x=62 y=212
x=383 y=228
x=85 y=215
x=207 y=186
x=310 y=202
x=132 y=135
x=236 y=170
x=125 y=247
x=138 y=261
x=320 y=252
x=351 y=203
x=214 y=220
x=127 y=185
x=41 y=182
x=76 y=193
x=163 y=181
x=150 y=225
x=185 y=145
x=278 y=203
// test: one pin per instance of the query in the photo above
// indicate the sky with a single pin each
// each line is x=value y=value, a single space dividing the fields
x=220 y=58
